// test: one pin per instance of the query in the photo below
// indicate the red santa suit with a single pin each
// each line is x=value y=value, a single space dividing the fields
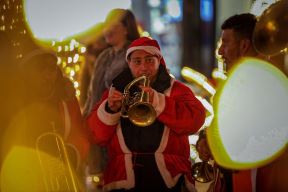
x=179 y=114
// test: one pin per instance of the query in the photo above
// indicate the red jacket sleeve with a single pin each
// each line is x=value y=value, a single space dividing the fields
x=183 y=112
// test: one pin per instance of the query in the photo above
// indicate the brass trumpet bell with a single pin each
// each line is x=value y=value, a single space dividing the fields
x=142 y=114
x=203 y=172
x=270 y=33
x=138 y=109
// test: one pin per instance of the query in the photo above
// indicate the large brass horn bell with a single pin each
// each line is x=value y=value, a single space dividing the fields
x=137 y=107
x=203 y=172
x=270 y=33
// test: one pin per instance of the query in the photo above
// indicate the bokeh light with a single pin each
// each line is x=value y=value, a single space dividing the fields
x=59 y=19
x=249 y=128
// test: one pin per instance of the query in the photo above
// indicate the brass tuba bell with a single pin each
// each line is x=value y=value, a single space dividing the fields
x=137 y=107
x=58 y=174
x=270 y=33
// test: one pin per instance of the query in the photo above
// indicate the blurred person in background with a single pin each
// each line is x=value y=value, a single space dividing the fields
x=93 y=50
x=119 y=31
x=237 y=32
x=48 y=105
x=236 y=42
x=8 y=98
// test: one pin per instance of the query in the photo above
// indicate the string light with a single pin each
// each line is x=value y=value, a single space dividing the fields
x=70 y=57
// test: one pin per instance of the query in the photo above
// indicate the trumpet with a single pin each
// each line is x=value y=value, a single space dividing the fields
x=137 y=108
x=203 y=172
x=57 y=172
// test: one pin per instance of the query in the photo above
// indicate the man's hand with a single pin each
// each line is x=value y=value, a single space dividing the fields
x=148 y=90
x=114 y=99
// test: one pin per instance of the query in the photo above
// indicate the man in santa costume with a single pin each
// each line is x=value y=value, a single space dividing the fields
x=155 y=157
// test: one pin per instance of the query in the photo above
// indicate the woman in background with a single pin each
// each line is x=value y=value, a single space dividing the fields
x=93 y=49
x=119 y=31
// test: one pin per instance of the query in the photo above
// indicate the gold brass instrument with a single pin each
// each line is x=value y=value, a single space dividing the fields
x=270 y=33
x=137 y=107
x=57 y=171
x=203 y=172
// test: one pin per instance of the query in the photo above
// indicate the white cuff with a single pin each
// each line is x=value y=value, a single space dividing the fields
x=107 y=118
x=158 y=102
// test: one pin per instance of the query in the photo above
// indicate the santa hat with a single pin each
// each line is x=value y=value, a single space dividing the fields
x=148 y=45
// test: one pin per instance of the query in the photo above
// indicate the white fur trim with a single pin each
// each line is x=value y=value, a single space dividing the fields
x=126 y=184
x=105 y=117
x=159 y=157
x=149 y=49
x=121 y=140
x=168 y=179
x=168 y=91
x=159 y=99
x=130 y=181
x=158 y=102
x=164 y=140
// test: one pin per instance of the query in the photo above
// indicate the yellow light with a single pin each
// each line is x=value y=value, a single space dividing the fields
x=71 y=47
x=77 y=68
x=209 y=88
x=67 y=70
x=271 y=26
x=208 y=108
x=96 y=179
x=64 y=64
x=66 y=48
x=59 y=60
x=191 y=75
x=145 y=34
x=206 y=104
x=83 y=49
x=216 y=74
x=77 y=93
x=72 y=73
x=76 y=84
x=69 y=59
x=59 y=49
x=194 y=75
x=75 y=58
x=20 y=160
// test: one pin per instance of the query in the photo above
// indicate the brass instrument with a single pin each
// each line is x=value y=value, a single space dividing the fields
x=137 y=107
x=57 y=171
x=270 y=33
x=203 y=172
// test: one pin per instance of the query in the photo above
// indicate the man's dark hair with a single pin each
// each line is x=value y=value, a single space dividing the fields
x=242 y=24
